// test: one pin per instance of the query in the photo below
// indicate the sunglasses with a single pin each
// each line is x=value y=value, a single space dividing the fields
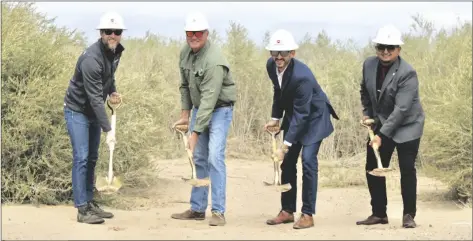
x=117 y=32
x=283 y=53
x=198 y=34
x=382 y=47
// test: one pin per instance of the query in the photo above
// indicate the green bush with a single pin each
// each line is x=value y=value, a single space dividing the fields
x=443 y=61
x=38 y=60
x=35 y=59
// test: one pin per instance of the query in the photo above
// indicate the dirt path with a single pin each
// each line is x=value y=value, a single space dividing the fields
x=249 y=204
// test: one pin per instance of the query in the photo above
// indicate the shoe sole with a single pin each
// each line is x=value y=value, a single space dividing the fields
x=180 y=218
x=303 y=227
x=284 y=222
x=382 y=222
x=213 y=224
x=95 y=222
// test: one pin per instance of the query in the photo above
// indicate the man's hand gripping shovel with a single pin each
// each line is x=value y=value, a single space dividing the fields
x=276 y=164
x=380 y=171
x=110 y=183
x=193 y=180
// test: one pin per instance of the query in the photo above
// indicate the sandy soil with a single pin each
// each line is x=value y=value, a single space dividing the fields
x=249 y=204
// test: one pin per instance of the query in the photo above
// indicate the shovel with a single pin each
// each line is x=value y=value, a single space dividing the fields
x=193 y=180
x=110 y=184
x=277 y=180
x=380 y=171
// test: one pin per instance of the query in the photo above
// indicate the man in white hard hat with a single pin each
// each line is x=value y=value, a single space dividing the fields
x=207 y=87
x=390 y=95
x=85 y=112
x=306 y=122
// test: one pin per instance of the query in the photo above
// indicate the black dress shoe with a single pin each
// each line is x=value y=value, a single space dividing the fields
x=373 y=220
x=408 y=221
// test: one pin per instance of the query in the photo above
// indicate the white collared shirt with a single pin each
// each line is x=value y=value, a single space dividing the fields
x=280 y=75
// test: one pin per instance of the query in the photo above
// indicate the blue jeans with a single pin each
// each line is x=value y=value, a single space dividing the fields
x=209 y=158
x=84 y=133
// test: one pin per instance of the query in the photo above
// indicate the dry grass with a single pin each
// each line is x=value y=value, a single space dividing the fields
x=36 y=152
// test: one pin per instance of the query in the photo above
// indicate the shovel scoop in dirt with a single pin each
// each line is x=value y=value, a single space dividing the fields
x=380 y=171
x=110 y=184
x=276 y=165
x=193 y=180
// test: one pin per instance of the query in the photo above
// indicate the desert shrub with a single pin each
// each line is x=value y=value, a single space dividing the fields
x=38 y=60
x=443 y=61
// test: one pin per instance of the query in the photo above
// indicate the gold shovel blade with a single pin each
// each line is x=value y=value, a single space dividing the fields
x=197 y=182
x=379 y=172
x=103 y=185
x=283 y=187
x=280 y=188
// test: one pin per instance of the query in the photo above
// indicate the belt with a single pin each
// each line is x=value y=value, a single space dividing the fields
x=224 y=105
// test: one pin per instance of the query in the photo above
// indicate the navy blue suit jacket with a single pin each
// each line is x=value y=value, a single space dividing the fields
x=306 y=107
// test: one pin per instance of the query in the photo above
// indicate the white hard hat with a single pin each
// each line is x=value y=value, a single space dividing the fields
x=111 y=20
x=389 y=35
x=282 y=40
x=196 y=22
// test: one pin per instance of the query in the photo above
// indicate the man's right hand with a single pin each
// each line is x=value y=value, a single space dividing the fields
x=366 y=118
x=271 y=123
x=181 y=121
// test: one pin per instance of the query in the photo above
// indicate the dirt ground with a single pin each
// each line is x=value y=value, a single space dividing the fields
x=249 y=204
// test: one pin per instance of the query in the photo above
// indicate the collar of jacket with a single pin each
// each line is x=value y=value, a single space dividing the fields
x=118 y=50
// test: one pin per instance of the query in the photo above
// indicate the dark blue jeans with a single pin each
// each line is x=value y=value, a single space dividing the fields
x=84 y=133
x=310 y=171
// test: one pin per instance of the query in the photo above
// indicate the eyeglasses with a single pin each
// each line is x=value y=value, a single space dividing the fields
x=283 y=53
x=117 y=32
x=198 y=34
x=382 y=47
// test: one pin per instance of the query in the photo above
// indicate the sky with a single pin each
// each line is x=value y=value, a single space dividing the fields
x=341 y=20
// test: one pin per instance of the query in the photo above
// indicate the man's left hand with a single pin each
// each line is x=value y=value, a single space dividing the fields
x=193 y=141
x=115 y=98
x=376 y=143
x=281 y=152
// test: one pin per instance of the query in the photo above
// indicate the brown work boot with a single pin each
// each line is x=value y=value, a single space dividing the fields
x=189 y=215
x=218 y=219
x=305 y=221
x=283 y=217
x=373 y=220
x=408 y=221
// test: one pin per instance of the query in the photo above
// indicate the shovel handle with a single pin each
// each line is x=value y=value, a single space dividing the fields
x=273 y=130
x=114 y=107
x=113 y=121
x=367 y=123
x=183 y=130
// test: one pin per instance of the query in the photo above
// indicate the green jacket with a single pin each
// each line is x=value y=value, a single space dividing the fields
x=206 y=82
